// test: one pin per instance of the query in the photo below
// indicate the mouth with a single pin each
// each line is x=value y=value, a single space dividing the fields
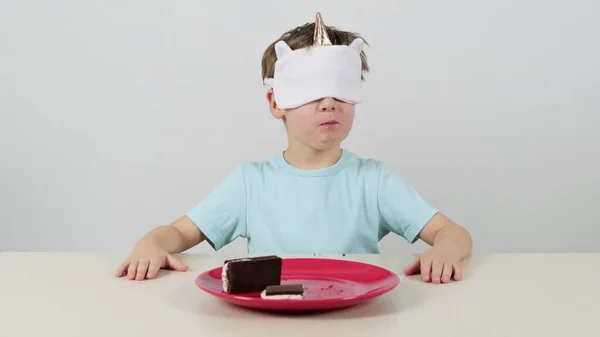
x=330 y=122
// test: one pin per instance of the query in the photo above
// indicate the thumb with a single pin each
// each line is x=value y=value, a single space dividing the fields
x=175 y=264
x=413 y=267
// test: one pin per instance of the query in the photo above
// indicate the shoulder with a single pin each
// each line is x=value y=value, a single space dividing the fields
x=363 y=165
x=252 y=170
x=375 y=169
x=269 y=163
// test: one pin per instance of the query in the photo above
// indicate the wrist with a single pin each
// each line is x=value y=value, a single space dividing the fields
x=454 y=239
x=450 y=248
x=152 y=241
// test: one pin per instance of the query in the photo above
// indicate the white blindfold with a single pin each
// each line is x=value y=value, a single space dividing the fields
x=312 y=73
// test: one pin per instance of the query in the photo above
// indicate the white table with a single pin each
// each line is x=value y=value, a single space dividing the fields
x=55 y=294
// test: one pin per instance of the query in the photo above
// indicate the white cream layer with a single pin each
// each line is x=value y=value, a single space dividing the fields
x=264 y=296
x=224 y=277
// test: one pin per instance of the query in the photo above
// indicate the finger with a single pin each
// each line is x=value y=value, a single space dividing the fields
x=122 y=268
x=142 y=270
x=436 y=271
x=426 y=270
x=413 y=268
x=132 y=269
x=446 y=272
x=175 y=264
x=457 y=272
x=153 y=268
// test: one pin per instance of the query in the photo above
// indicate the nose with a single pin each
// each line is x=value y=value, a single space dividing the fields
x=328 y=104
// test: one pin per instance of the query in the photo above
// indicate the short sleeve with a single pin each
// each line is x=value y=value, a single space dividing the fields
x=221 y=214
x=402 y=210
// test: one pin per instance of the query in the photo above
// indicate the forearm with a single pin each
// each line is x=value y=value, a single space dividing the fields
x=457 y=237
x=167 y=238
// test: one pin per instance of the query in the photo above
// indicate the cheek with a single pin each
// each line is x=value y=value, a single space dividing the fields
x=301 y=125
x=347 y=120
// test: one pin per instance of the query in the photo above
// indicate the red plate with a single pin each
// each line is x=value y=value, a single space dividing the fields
x=330 y=284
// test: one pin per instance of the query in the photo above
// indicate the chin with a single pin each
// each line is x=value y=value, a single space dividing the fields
x=326 y=148
x=328 y=144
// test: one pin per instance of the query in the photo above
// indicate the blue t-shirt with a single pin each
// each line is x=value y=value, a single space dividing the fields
x=280 y=209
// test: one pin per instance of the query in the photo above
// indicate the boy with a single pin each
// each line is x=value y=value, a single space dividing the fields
x=315 y=197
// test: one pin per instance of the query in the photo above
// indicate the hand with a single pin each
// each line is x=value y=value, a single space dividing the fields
x=438 y=265
x=145 y=261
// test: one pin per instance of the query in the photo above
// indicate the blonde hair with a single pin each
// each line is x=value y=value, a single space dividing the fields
x=302 y=37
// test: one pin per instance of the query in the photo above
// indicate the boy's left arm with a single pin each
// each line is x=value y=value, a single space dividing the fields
x=450 y=243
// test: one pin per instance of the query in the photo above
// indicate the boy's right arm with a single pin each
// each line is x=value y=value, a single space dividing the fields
x=220 y=214
x=153 y=251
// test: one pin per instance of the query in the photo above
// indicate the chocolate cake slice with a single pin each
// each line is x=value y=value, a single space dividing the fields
x=252 y=274
x=283 y=292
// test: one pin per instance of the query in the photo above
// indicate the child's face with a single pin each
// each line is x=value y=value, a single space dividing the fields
x=322 y=124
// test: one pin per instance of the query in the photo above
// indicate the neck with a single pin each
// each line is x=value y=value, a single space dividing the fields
x=311 y=159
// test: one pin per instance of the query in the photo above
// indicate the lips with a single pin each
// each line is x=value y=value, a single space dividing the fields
x=330 y=122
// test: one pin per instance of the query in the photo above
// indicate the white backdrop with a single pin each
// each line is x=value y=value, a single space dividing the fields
x=118 y=116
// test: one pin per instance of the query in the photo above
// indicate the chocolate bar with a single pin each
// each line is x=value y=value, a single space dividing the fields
x=252 y=274
x=287 y=292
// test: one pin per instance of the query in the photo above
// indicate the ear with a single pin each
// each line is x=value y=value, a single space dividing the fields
x=275 y=111
x=357 y=45
x=282 y=48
